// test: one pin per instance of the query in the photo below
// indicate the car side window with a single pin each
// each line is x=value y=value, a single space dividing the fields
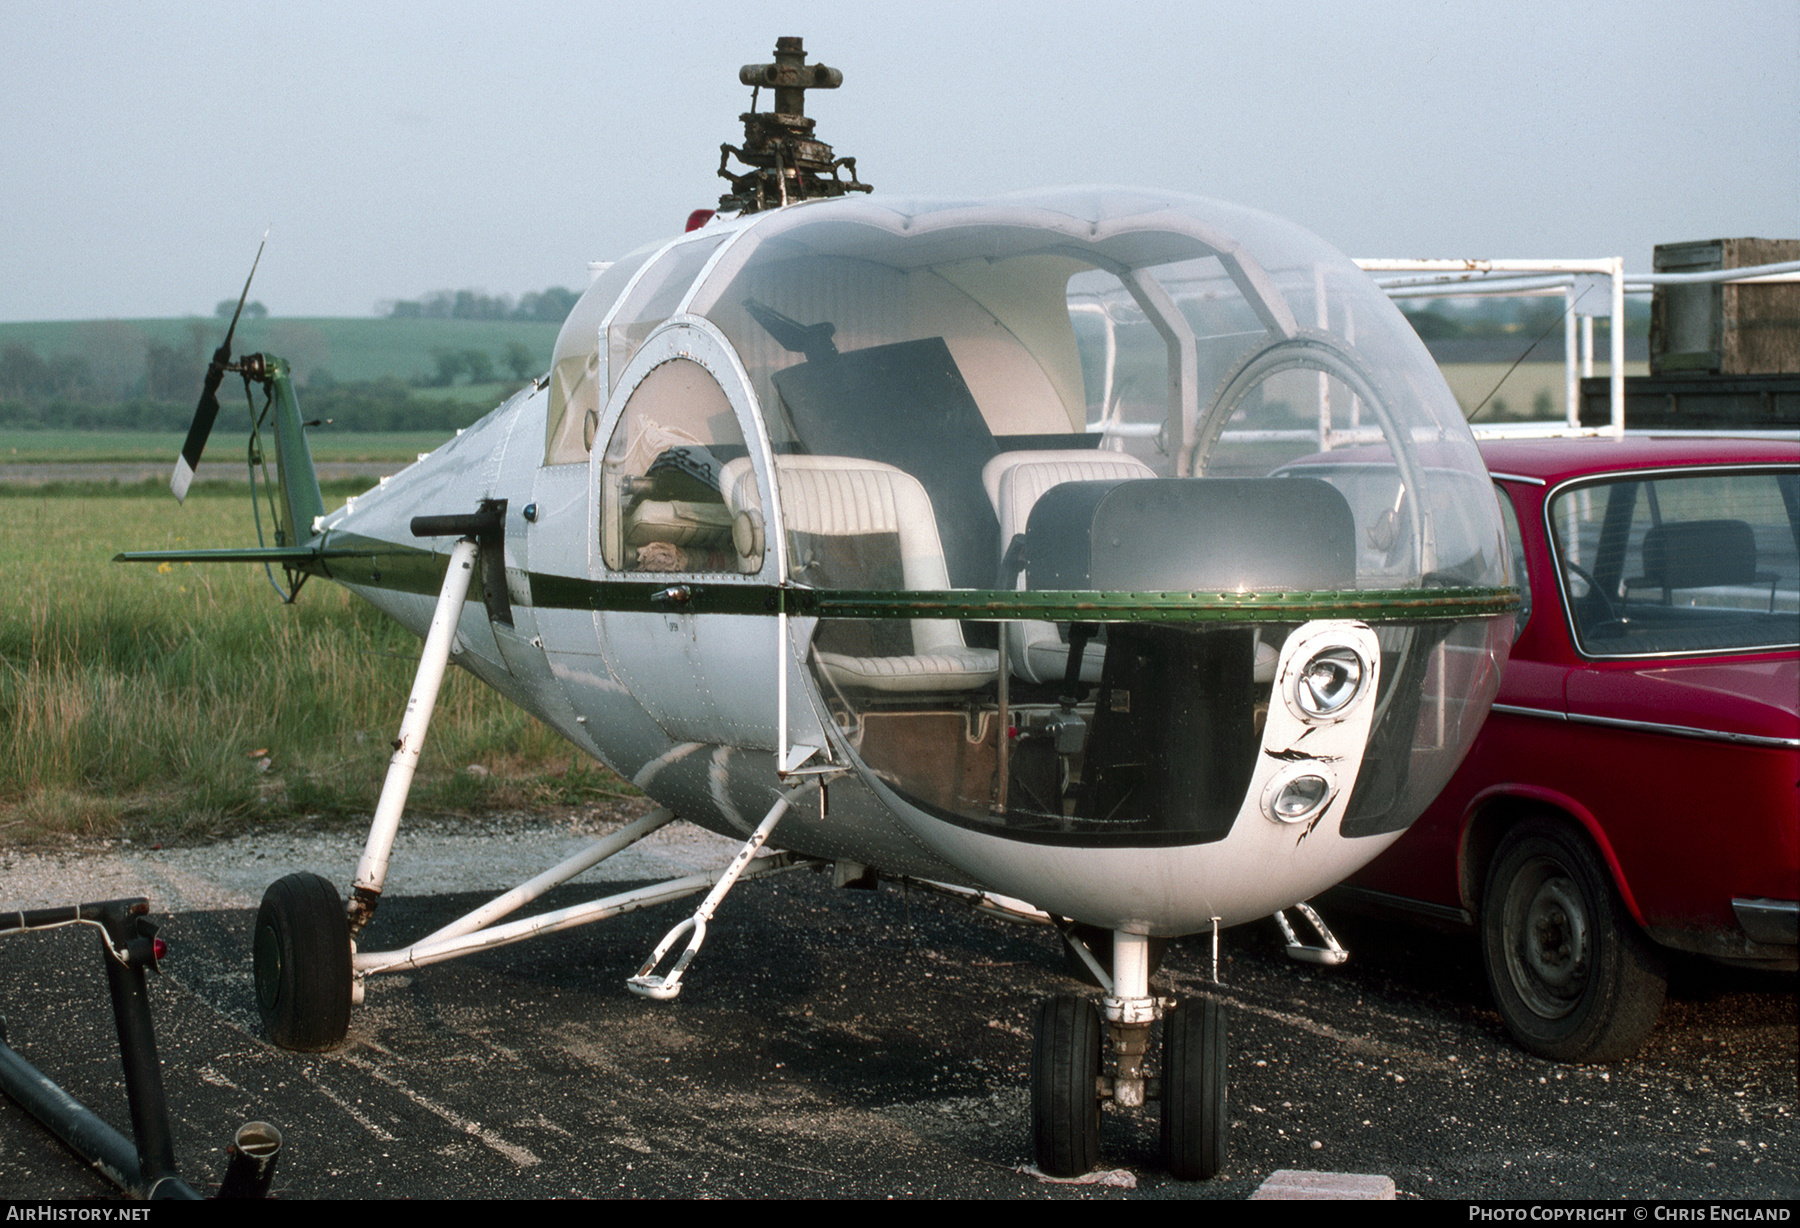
x=1515 y=546
x=1681 y=562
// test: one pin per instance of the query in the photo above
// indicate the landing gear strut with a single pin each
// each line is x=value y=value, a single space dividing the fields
x=1068 y=1082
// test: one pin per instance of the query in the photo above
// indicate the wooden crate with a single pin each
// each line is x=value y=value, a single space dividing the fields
x=1728 y=330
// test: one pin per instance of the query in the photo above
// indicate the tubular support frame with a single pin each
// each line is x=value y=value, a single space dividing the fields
x=662 y=988
x=1129 y=1000
x=1129 y=1010
x=989 y=903
x=1332 y=953
x=1085 y=954
x=371 y=871
x=111 y=1153
x=371 y=963
x=556 y=876
x=441 y=945
x=126 y=948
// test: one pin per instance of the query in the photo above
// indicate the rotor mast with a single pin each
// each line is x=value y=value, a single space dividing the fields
x=787 y=162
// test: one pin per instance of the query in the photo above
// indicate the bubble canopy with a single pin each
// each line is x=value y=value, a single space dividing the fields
x=1058 y=458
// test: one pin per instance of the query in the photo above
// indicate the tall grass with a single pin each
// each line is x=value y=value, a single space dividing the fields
x=181 y=701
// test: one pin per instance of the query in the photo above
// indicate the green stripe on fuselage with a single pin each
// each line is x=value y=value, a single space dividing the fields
x=399 y=568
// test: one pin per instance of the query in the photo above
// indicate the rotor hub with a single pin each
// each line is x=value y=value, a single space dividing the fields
x=787 y=162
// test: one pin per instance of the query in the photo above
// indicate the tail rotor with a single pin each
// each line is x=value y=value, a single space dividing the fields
x=208 y=410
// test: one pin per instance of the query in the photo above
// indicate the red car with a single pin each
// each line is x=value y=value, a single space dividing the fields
x=1636 y=788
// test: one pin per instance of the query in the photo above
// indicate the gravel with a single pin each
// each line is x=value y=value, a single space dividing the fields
x=437 y=857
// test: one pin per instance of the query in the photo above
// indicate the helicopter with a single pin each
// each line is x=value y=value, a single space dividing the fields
x=951 y=541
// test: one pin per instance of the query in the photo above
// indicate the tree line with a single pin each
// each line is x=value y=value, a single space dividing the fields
x=169 y=371
x=1472 y=318
x=121 y=379
x=551 y=306
x=388 y=404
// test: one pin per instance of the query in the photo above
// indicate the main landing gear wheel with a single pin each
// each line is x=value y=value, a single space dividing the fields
x=303 y=975
x=1065 y=1098
x=1195 y=1127
x=1573 y=976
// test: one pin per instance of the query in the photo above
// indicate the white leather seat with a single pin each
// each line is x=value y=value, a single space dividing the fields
x=841 y=496
x=1015 y=481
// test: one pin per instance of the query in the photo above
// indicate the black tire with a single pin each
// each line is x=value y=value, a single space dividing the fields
x=1065 y=1100
x=1196 y=1129
x=1573 y=976
x=302 y=951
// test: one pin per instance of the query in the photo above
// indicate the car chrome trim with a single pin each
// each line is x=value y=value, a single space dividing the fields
x=1771 y=921
x=1351 y=895
x=1517 y=477
x=1519 y=710
x=1679 y=731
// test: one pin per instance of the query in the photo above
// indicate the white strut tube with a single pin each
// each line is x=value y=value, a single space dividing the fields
x=371 y=871
x=556 y=876
x=662 y=988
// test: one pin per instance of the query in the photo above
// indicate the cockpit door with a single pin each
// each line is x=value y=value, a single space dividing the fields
x=680 y=482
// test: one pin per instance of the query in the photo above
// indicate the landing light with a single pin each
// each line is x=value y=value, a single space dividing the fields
x=1328 y=684
x=1298 y=792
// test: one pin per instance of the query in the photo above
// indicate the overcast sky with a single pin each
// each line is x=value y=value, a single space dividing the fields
x=398 y=148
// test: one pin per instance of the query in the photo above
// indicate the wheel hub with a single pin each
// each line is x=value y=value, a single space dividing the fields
x=1550 y=956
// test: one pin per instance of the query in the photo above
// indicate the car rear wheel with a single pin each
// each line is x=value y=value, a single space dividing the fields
x=1574 y=978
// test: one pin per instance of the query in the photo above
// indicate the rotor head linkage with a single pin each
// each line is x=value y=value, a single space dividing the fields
x=787 y=163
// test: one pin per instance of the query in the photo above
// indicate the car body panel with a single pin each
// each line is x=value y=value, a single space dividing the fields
x=1682 y=770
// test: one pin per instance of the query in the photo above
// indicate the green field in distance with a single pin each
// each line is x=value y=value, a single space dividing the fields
x=99 y=447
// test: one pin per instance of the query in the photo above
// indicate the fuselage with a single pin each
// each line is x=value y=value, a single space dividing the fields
x=973 y=508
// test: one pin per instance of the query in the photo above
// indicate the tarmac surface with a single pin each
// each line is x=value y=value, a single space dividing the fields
x=841 y=1043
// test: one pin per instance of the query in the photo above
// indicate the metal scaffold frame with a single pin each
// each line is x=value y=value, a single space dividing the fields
x=1576 y=281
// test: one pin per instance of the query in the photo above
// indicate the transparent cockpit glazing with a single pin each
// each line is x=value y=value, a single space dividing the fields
x=984 y=397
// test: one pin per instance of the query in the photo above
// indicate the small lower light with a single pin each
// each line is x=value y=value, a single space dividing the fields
x=1298 y=793
x=1301 y=797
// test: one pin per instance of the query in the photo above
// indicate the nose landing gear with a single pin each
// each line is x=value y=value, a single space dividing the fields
x=1068 y=1082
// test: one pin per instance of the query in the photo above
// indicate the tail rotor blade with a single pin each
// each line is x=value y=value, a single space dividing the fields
x=204 y=415
x=207 y=411
x=225 y=348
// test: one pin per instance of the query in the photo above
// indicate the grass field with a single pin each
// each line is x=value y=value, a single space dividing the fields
x=176 y=703
x=1513 y=393
x=100 y=447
